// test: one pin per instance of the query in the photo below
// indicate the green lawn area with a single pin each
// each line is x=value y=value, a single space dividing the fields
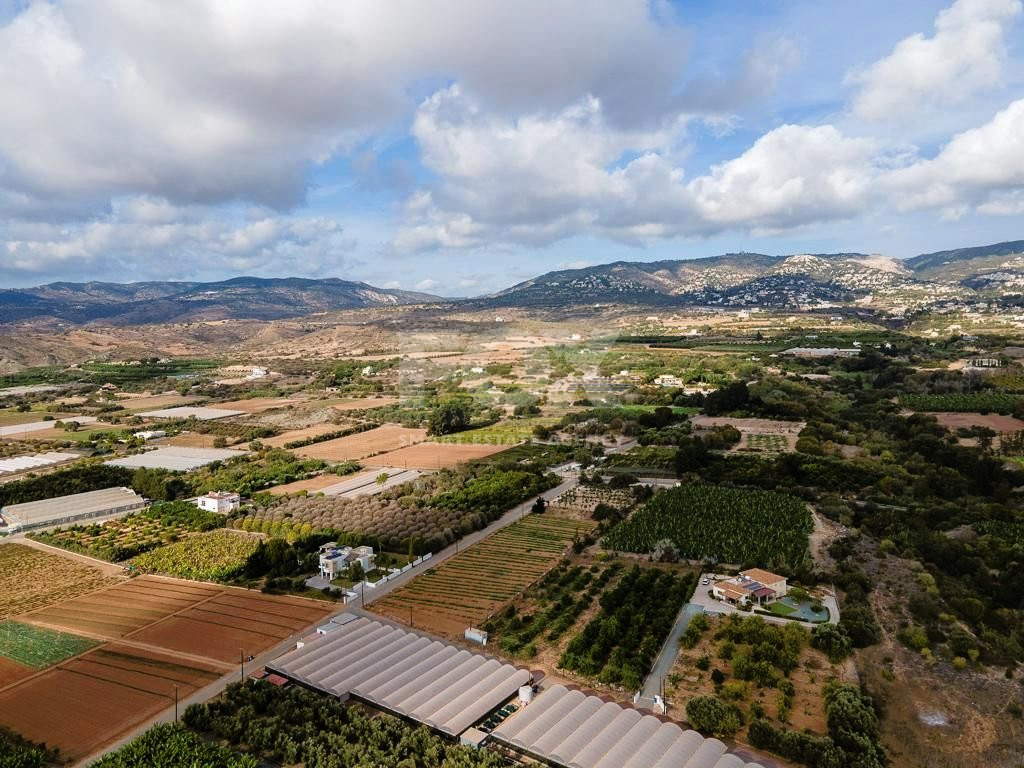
x=781 y=609
x=37 y=647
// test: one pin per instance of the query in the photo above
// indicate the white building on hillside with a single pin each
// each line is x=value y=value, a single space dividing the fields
x=222 y=502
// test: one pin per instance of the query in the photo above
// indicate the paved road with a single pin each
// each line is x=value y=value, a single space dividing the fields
x=669 y=652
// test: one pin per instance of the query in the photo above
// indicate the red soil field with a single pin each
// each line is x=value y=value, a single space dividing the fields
x=176 y=633
x=10 y=671
x=79 y=706
x=120 y=610
x=233 y=622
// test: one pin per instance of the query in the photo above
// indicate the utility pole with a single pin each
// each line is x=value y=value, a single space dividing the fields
x=241 y=664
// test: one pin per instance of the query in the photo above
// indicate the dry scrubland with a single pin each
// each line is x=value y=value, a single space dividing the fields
x=466 y=589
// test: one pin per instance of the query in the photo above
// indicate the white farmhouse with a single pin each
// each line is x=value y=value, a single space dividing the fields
x=222 y=502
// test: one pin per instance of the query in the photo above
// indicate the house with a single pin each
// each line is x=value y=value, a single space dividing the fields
x=335 y=560
x=756 y=586
x=668 y=380
x=222 y=502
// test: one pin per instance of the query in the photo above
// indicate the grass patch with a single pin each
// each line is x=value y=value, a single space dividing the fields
x=781 y=609
x=37 y=647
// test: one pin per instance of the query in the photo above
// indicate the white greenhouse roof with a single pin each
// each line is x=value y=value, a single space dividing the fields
x=576 y=730
x=79 y=505
x=186 y=411
x=426 y=680
x=21 y=463
x=176 y=458
x=14 y=430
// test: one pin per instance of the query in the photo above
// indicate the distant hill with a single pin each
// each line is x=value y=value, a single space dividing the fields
x=798 y=281
x=795 y=282
x=163 y=302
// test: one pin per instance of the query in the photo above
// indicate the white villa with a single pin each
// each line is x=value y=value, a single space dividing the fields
x=335 y=560
x=755 y=586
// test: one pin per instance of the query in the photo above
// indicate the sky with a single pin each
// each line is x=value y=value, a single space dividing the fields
x=460 y=147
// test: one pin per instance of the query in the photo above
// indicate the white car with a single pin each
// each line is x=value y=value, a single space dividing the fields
x=706 y=581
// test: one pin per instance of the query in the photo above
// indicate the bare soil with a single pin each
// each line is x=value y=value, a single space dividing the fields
x=428 y=455
x=389 y=437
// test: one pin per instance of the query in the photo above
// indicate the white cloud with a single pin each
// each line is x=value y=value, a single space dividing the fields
x=428 y=284
x=148 y=238
x=964 y=56
x=977 y=167
x=544 y=177
x=201 y=102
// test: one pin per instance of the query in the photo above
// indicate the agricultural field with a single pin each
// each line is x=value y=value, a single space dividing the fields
x=213 y=556
x=994 y=421
x=756 y=435
x=643 y=460
x=160 y=633
x=389 y=437
x=363 y=403
x=31 y=579
x=423 y=515
x=191 y=440
x=310 y=485
x=298 y=435
x=256 y=404
x=231 y=620
x=38 y=647
x=764 y=443
x=727 y=525
x=431 y=455
x=470 y=587
x=583 y=500
x=124 y=538
x=618 y=646
x=98 y=697
x=154 y=402
x=11 y=672
x=974 y=402
x=538 y=625
x=504 y=433
x=120 y=610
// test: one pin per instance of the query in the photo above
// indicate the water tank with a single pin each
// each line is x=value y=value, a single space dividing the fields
x=525 y=694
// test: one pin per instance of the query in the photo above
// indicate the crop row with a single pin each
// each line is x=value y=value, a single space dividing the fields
x=972 y=402
x=730 y=525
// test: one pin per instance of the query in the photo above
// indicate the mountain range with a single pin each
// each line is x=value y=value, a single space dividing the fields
x=794 y=282
x=165 y=302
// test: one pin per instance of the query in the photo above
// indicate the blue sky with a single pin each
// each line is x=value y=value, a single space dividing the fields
x=460 y=148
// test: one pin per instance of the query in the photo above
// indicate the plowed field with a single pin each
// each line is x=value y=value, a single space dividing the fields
x=466 y=589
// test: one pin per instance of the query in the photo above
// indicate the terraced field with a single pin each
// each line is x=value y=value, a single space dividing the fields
x=465 y=590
